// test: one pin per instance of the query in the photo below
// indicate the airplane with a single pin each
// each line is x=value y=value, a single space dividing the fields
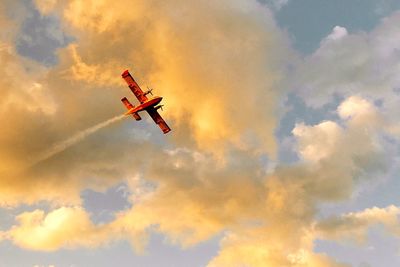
x=148 y=104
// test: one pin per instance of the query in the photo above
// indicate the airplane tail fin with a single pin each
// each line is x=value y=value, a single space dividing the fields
x=129 y=106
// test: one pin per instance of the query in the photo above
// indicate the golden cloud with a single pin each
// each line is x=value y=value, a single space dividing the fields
x=64 y=227
x=216 y=78
x=220 y=66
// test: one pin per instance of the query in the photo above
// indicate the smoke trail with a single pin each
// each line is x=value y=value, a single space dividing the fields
x=61 y=146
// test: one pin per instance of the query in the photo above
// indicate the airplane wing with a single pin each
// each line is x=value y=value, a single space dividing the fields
x=158 y=120
x=134 y=87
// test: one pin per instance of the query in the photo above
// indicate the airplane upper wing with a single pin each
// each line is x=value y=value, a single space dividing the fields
x=158 y=120
x=134 y=87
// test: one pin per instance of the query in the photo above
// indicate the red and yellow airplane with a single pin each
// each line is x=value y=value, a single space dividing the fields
x=147 y=104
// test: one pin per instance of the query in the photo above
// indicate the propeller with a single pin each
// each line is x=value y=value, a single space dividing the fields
x=149 y=91
x=159 y=106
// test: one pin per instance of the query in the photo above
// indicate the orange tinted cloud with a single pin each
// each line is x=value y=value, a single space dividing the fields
x=220 y=67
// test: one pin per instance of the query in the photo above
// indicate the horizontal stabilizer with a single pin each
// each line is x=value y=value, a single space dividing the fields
x=136 y=116
x=129 y=106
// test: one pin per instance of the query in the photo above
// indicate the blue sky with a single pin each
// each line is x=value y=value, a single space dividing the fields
x=309 y=21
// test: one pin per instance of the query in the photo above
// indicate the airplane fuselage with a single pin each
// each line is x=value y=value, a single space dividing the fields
x=152 y=102
x=150 y=105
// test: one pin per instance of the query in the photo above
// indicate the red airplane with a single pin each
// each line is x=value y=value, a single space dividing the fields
x=147 y=104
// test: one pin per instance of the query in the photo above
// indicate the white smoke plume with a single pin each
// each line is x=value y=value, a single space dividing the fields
x=63 y=145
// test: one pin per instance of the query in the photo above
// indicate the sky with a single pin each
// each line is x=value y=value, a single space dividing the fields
x=285 y=142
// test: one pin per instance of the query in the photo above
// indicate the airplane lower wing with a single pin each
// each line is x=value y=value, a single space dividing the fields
x=158 y=120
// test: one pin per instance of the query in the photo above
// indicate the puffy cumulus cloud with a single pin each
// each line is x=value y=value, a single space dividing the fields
x=40 y=109
x=18 y=77
x=282 y=235
x=214 y=75
x=246 y=208
x=347 y=64
x=262 y=217
x=361 y=114
x=66 y=227
x=358 y=109
x=26 y=106
x=254 y=250
x=352 y=147
x=94 y=74
x=319 y=141
x=29 y=111
x=354 y=226
x=220 y=67
x=208 y=196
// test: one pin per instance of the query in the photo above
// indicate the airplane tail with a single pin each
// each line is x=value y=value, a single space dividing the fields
x=129 y=106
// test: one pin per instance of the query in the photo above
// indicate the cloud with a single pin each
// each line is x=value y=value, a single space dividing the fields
x=356 y=108
x=350 y=64
x=60 y=147
x=221 y=67
x=276 y=4
x=204 y=71
x=319 y=141
x=354 y=226
x=45 y=6
x=251 y=207
x=39 y=110
x=254 y=251
x=66 y=227
x=231 y=63
x=262 y=217
x=337 y=33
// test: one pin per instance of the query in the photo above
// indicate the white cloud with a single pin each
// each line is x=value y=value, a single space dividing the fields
x=355 y=107
x=319 y=141
x=354 y=226
x=364 y=64
x=337 y=33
